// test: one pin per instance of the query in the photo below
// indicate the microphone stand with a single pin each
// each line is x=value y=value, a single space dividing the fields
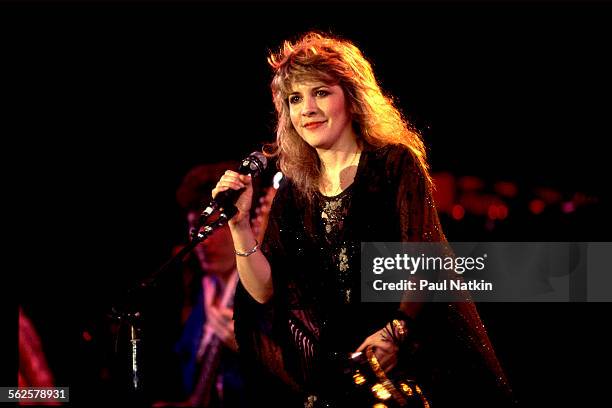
x=132 y=317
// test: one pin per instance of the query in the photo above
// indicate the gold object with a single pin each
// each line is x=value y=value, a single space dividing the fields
x=310 y=401
x=406 y=388
x=399 y=328
x=381 y=392
x=420 y=392
x=358 y=378
x=386 y=389
x=379 y=405
x=384 y=380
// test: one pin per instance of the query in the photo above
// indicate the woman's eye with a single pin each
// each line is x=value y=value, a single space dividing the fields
x=294 y=99
x=322 y=92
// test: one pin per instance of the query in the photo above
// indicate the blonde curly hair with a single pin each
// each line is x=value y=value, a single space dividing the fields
x=331 y=60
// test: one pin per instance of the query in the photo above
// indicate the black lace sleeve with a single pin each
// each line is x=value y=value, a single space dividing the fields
x=455 y=327
x=258 y=327
x=417 y=213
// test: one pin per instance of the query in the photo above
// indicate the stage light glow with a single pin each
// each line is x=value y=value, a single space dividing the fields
x=458 y=212
x=536 y=206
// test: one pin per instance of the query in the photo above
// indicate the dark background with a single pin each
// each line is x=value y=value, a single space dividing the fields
x=114 y=103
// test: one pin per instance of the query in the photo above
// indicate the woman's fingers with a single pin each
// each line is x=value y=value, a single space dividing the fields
x=384 y=349
x=230 y=178
x=386 y=358
x=363 y=346
x=223 y=185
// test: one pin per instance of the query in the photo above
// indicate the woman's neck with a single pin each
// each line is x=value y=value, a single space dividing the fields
x=335 y=157
x=339 y=167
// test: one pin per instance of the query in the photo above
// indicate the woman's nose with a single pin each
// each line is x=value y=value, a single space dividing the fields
x=309 y=107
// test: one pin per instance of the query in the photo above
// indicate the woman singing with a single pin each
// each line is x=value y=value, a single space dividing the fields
x=354 y=171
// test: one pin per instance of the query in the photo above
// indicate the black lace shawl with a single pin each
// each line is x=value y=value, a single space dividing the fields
x=390 y=201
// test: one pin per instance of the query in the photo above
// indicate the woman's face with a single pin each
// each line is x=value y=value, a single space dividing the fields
x=319 y=114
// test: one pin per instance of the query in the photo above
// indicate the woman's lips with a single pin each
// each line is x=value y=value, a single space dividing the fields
x=314 y=125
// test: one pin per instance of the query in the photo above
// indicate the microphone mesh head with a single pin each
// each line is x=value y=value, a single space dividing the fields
x=254 y=164
x=260 y=156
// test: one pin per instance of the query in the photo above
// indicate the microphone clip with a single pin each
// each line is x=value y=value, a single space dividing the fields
x=201 y=231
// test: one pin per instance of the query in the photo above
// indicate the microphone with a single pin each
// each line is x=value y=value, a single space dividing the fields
x=254 y=165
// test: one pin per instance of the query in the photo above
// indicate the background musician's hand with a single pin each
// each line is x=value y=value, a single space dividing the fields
x=220 y=321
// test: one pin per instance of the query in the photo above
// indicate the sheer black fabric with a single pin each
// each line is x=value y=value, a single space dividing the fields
x=314 y=253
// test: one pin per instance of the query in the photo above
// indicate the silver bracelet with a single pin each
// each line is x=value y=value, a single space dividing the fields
x=250 y=251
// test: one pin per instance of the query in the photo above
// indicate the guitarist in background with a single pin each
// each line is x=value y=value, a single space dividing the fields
x=207 y=351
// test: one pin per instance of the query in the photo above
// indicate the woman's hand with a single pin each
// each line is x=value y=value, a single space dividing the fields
x=235 y=181
x=384 y=347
